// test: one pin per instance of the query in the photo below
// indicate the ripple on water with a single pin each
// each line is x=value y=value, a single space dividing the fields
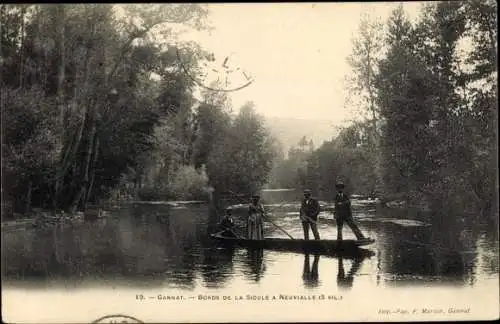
x=364 y=201
x=401 y=222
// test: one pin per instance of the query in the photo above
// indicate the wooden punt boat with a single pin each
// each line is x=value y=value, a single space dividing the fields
x=298 y=245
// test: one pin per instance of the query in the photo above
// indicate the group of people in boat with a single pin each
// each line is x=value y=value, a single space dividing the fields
x=309 y=211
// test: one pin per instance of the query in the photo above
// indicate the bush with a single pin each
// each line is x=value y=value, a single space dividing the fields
x=30 y=148
x=149 y=194
x=189 y=183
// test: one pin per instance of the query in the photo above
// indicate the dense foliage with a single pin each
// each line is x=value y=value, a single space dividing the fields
x=96 y=105
x=430 y=92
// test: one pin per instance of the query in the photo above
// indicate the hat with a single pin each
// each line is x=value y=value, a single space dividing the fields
x=339 y=184
x=229 y=208
x=307 y=191
x=255 y=195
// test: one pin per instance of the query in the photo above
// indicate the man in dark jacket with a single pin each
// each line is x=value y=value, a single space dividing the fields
x=226 y=225
x=309 y=211
x=343 y=213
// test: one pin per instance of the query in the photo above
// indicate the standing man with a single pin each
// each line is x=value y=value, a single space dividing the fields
x=343 y=213
x=309 y=211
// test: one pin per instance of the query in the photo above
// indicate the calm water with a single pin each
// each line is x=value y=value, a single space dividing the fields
x=164 y=248
x=155 y=249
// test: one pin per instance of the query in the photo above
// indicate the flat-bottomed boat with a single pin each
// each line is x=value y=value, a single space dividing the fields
x=312 y=246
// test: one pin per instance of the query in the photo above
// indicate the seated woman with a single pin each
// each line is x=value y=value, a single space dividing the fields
x=226 y=225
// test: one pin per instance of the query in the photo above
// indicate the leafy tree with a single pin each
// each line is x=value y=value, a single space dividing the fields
x=367 y=52
x=431 y=136
x=242 y=161
x=88 y=70
x=405 y=98
x=213 y=122
x=292 y=171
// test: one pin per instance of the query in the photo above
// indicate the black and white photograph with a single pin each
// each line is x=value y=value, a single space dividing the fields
x=249 y=162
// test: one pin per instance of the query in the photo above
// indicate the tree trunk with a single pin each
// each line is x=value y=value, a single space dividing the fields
x=57 y=251
x=70 y=152
x=28 y=198
x=92 y=178
x=86 y=179
x=62 y=66
x=60 y=97
x=21 y=62
x=193 y=138
x=41 y=59
x=93 y=142
x=68 y=159
x=491 y=36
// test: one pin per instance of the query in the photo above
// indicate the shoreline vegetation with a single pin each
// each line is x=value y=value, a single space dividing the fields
x=85 y=123
x=96 y=108
x=427 y=93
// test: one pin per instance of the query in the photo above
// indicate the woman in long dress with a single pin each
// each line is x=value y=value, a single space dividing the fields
x=255 y=228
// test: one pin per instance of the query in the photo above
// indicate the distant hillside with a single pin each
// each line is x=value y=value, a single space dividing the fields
x=289 y=131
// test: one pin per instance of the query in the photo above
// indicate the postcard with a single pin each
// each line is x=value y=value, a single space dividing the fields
x=270 y=162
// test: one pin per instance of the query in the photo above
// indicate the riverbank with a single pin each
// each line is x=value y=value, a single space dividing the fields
x=12 y=225
x=38 y=217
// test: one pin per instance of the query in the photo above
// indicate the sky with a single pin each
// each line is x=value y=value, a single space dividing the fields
x=296 y=53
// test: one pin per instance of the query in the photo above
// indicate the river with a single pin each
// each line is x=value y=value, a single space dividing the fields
x=162 y=252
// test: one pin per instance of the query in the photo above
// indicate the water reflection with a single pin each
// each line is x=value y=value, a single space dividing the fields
x=444 y=252
x=255 y=266
x=310 y=275
x=154 y=245
x=217 y=266
x=345 y=281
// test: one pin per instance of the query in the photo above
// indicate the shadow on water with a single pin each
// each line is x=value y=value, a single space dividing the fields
x=311 y=277
x=345 y=281
x=310 y=274
x=255 y=266
x=444 y=252
x=217 y=266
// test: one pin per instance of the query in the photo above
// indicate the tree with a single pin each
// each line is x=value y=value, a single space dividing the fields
x=242 y=161
x=213 y=121
x=435 y=106
x=429 y=98
x=368 y=50
x=479 y=78
x=89 y=62
x=366 y=54
x=405 y=99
